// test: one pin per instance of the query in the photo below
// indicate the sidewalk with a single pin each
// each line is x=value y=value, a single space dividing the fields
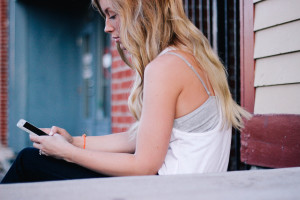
x=6 y=155
x=273 y=184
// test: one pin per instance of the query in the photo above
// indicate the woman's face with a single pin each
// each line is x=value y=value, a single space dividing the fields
x=112 y=20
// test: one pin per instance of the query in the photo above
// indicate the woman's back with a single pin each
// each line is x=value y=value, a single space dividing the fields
x=198 y=143
x=203 y=118
x=196 y=88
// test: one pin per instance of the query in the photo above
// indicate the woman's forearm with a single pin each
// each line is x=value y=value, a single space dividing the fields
x=113 y=164
x=117 y=142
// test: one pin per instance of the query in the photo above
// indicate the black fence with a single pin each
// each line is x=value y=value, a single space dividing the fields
x=219 y=22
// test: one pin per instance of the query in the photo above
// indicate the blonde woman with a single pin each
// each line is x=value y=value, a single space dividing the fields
x=180 y=99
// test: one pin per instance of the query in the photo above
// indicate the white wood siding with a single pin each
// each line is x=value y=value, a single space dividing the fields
x=277 y=40
x=279 y=11
x=278 y=99
x=282 y=69
x=277 y=55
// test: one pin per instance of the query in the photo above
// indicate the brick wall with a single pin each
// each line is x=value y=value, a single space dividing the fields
x=122 y=80
x=3 y=71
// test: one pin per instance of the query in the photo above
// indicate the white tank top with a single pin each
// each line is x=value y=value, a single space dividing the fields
x=198 y=152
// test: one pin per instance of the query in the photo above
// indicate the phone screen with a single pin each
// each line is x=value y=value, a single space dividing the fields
x=34 y=129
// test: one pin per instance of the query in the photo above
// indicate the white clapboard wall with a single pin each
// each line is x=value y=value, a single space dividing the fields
x=277 y=56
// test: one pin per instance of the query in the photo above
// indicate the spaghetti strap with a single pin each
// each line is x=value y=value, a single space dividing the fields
x=180 y=56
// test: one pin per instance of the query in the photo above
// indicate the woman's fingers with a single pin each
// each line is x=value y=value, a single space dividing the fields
x=46 y=130
x=43 y=153
x=37 y=145
x=40 y=147
x=34 y=138
x=55 y=129
x=61 y=132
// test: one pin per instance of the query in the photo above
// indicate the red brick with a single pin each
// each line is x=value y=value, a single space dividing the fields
x=113 y=98
x=124 y=108
x=124 y=129
x=120 y=119
x=3 y=70
x=118 y=63
x=115 y=76
x=115 y=53
x=120 y=76
x=114 y=108
x=115 y=86
x=116 y=130
x=126 y=84
x=128 y=73
x=3 y=127
x=113 y=130
x=113 y=119
x=116 y=97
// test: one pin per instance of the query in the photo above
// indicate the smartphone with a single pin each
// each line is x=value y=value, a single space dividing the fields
x=29 y=128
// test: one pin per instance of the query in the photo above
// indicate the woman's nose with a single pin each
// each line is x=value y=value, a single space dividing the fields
x=108 y=27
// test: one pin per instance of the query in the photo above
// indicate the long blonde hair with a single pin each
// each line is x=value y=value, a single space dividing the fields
x=149 y=26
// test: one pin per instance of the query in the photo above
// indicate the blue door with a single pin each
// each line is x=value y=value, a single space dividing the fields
x=56 y=76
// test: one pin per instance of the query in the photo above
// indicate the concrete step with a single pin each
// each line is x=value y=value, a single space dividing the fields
x=273 y=184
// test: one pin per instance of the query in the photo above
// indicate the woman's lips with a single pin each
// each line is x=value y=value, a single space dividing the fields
x=117 y=39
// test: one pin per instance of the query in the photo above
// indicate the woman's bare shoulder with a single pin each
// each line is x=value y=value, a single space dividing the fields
x=166 y=73
x=168 y=65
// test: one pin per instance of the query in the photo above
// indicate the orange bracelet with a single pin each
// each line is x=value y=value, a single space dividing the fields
x=84 y=140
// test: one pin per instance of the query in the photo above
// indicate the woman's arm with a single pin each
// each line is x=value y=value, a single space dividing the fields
x=117 y=142
x=162 y=86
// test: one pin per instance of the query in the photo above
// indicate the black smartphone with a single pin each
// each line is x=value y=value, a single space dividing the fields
x=29 y=128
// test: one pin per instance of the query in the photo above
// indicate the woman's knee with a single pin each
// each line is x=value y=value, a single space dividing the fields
x=28 y=152
x=27 y=155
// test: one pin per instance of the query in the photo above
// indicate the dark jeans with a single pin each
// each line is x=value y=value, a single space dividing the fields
x=29 y=166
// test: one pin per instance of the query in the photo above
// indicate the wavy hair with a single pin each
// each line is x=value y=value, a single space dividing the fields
x=149 y=26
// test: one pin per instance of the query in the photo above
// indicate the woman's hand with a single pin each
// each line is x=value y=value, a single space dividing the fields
x=56 y=146
x=60 y=131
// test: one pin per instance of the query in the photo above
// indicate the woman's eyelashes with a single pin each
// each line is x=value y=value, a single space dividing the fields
x=112 y=17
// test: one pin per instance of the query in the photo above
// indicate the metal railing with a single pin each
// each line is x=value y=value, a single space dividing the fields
x=219 y=22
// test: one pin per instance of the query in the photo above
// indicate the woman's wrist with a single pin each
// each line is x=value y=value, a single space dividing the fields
x=69 y=156
x=80 y=141
x=77 y=141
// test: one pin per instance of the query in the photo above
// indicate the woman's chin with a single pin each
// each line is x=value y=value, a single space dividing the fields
x=122 y=47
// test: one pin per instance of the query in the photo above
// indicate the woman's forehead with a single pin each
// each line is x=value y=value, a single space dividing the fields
x=106 y=5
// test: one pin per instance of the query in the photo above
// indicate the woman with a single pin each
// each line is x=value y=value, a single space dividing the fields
x=180 y=99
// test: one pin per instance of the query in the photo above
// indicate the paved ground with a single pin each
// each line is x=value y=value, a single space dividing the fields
x=6 y=155
x=273 y=184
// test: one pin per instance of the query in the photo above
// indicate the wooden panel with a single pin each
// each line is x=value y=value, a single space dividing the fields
x=271 y=141
x=246 y=53
x=277 y=40
x=270 y=13
x=275 y=70
x=278 y=99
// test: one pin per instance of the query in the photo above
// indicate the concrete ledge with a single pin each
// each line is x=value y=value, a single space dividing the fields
x=256 y=184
